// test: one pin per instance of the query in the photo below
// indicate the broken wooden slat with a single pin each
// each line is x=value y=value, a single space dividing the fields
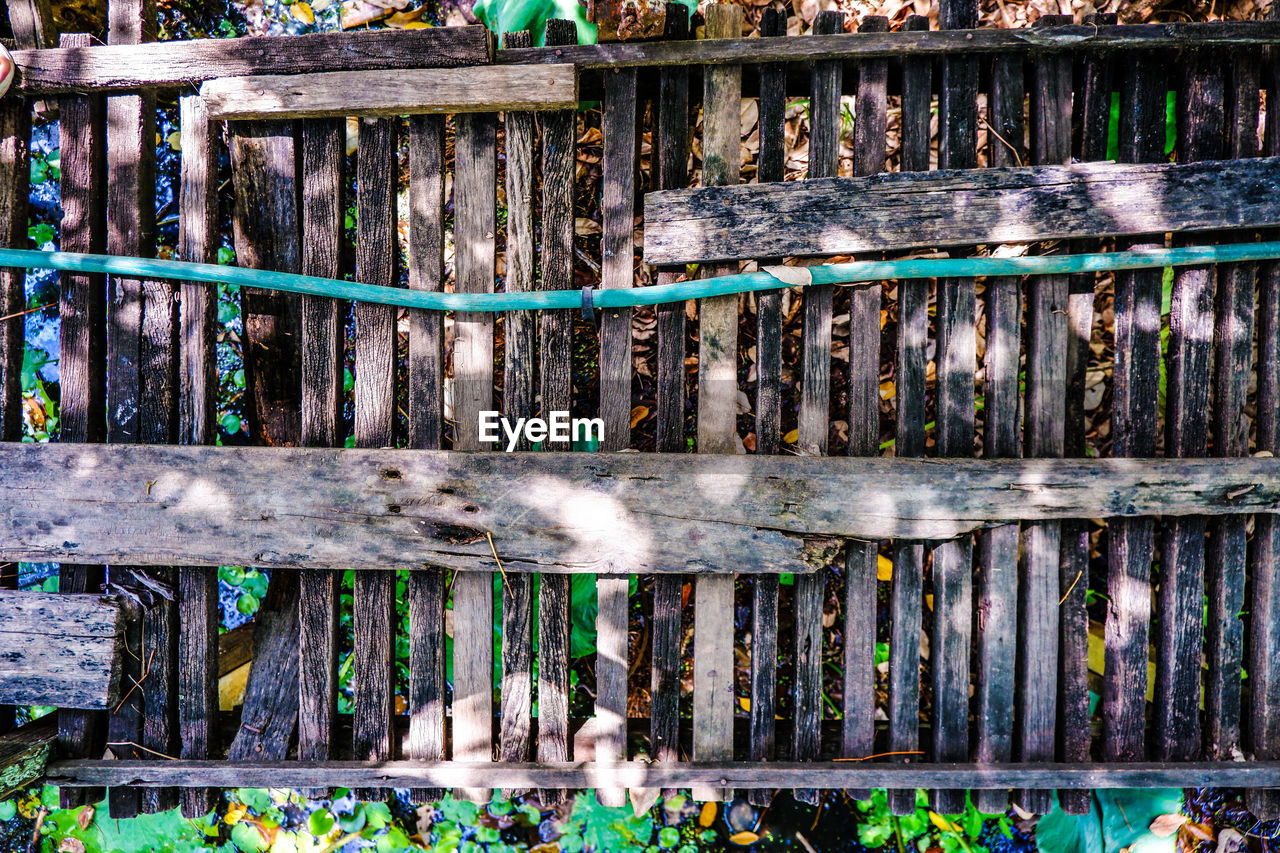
x=555 y=366
x=1232 y=365
x=81 y=67
x=482 y=89
x=997 y=579
x=198 y=616
x=62 y=649
x=954 y=208
x=917 y=44
x=713 y=681
x=25 y=752
x=770 y=166
x=956 y=359
x=323 y=332
x=82 y=347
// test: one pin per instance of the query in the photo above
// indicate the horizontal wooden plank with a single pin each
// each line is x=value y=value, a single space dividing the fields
x=484 y=89
x=557 y=512
x=183 y=63
x=60 y=649
x=24 y=753
x=635 y=774
x=904 y=210
x=862 y=45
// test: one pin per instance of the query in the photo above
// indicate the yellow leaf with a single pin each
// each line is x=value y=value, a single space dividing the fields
x=887 y=390
x=708 y=814
x=744 y=703
x=235 y=812
x=417 y=25
x=928 y=600
x=302 y=11
x=792 y=437
x=638 y=414
x=884 y=568
x=744 y=839
x=174 y=140
x=942 y=823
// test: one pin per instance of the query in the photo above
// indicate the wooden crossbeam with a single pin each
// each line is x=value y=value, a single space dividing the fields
x=636 y=774
x=571 y=512
x=956 y=207
x=175 y=64
x=485 y=89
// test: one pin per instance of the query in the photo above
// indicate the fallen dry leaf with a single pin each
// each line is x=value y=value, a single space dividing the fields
x=797 y=276
x=1167 y=824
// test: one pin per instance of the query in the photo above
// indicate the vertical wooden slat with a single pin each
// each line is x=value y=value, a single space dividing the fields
x=556 y=339
x=1176 y=725
x=15 y=177
x=764 y=603
x=1092 y=110
x=815 y=404
x=1233 y=356
x=373 y=613
x=426 y=429
x=956 y=348
x=1043 y=432
x=997 y=578
x=1264 y=559
x=617 y=270
x=82 y=344
x=913 y=334
x=859 y=700
x=517 y=402
x=997 y=589
x=717 y=411
x=474 y=212
x=323 y=332
x=198 y=615
x=1133 y=430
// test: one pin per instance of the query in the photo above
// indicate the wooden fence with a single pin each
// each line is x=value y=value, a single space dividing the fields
x=1003 y=543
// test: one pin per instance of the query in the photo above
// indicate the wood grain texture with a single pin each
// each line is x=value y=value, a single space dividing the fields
x=32 y=24
x=916 y=44
x=482 y=89
x=555 y=382
x=269 y=716
x=24 y=754
x=913 y=334
x=179 y=64
x=197 y=590
x=713 y=677
x=954 y=208
x=15 y=180
x=61 y=649
x=82 y=346
x=1133 y=428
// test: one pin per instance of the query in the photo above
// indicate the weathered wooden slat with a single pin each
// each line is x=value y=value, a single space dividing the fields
x=555 y=367
x=62 y=649
x=1180 y=638
x=997 y=579
x=1044 y=424
x=770 y=166
x=1133 y=428
x=913 y=336
x=179 y=64
x=924 y=44
x=1232 y=365
x=323 y=332
x=1264 y=558
x=814 y=416
x=672 y=147
x=15 y=180
x=713 y=681
x=82 y=347
x=24 y=754
x=198 y=616
x=833 y=774
x=481 y=89
x=475 y=224
x=32 y=24
x=956 y=359
x=954 y=208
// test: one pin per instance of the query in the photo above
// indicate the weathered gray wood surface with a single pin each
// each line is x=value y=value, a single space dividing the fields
x=636 y=774
x=24 y=752
x=181 y=63
x=60 y=649
x=484 y=89
x=956 y=207
x=605 y=513
x=898 y=44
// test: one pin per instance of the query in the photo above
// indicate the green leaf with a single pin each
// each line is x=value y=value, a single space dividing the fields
x=247 y=603
x=230 y=423
x=7 y=810
x=321 y=822
x=668 y=836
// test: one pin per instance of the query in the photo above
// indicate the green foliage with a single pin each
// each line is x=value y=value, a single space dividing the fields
x=511 y=16
x=1119 y=820
x=40 y=409
x=251 y=583
x=46 y=167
